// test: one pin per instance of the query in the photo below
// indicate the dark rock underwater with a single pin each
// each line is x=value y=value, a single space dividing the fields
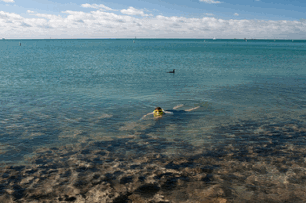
x=260 y=163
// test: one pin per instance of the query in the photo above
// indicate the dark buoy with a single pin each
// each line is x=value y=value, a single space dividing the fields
x=19 y=43
x=171 y=71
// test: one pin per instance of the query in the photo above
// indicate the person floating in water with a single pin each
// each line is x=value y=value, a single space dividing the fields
x=159 y=112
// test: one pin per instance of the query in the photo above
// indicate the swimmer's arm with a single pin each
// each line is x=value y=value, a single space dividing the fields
x=168 y=112
x=178 y=106
x=146 y=115
x=193 y=108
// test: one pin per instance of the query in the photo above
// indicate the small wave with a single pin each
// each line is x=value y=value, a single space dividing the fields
x=105 y=116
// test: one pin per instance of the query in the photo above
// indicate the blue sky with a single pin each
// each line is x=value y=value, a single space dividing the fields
x=282 y=19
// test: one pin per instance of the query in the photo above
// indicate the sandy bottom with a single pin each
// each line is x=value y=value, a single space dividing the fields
x=255 y=162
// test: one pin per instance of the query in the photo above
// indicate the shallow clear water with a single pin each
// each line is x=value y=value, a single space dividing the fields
x=59 y=92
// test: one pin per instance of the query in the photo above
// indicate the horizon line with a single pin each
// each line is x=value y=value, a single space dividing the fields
x=254 y=39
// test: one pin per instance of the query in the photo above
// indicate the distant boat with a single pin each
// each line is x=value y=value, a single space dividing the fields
x=214 y=38
x=171 y=71
x=134 y=40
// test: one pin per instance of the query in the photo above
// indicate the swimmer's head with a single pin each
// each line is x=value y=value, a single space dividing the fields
x=158 y=112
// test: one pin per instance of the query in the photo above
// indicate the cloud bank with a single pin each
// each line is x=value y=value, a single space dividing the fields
x=105 y=22
x=133 y=11
x=96 y=6
x=8 y=1
x=210 y=1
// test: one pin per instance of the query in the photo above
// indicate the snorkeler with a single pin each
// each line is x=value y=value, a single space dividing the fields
x=159 y=112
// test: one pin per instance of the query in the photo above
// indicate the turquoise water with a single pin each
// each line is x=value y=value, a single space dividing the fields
x=60 y=92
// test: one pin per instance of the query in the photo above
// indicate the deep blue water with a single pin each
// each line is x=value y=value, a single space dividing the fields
x=58 y=92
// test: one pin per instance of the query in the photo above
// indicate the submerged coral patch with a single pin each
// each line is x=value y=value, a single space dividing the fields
x=260 y=163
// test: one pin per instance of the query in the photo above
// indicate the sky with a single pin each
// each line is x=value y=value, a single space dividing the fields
x=200 y=19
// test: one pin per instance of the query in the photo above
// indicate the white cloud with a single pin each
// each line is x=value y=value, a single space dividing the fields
x=96 y=6
x=8 y=1
x=103 y=24
x=236 y=14
x=133 y=11
x=29 y=11
x=10 y=16
x=210 y=1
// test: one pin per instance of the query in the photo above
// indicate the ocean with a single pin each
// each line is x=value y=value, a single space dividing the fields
x=76 y=94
